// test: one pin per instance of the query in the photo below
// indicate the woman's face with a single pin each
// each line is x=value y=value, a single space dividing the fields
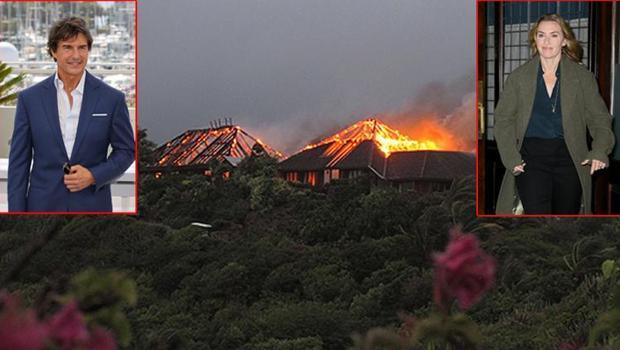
x=549 y=39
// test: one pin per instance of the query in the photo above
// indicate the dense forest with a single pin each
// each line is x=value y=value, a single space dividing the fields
x=285 y=266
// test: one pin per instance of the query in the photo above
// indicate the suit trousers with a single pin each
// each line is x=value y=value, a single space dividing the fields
x=550 y=183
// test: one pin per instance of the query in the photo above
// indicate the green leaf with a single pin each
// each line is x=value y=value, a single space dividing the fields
x=457 y=330
x=615 y=298
x=115 y=320
x=607 y=323
x=102 y=296
x=379 y=339
x=467 y=328
x=608 y=267
x=127 y=291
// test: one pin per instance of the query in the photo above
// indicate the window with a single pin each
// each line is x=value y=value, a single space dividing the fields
x=352 y=174
x=311 y=178
x=292 y=176
x=439 y=186
x=330 y=174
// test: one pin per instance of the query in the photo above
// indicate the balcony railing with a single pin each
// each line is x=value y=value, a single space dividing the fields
x=123 y=190
x=49 y=67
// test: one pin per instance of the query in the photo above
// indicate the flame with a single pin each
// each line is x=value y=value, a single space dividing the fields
x=441 y=134
x=387 y=140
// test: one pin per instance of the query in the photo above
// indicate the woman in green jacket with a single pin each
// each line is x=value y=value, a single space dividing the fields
x=541 y=123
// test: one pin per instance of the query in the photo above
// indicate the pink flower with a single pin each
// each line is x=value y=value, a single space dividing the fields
x=67 y=327
x=101 y=339
x=19 y=329
x=463 y=271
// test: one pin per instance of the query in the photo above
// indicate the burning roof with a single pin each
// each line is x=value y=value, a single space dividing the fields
x=388 y=140
x=197 y=148
x=371 y=144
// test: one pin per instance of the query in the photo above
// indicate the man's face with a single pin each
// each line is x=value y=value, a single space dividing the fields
x=71 y=56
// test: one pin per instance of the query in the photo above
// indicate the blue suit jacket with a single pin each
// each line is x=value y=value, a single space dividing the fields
x=37 y=139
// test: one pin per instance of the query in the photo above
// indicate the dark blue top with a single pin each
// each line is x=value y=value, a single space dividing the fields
x=544 y=122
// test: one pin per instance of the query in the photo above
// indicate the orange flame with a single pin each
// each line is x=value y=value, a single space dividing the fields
x=443 y=135
x=387 y=139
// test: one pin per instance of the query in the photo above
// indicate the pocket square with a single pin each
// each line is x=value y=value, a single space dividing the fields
x=100 y=114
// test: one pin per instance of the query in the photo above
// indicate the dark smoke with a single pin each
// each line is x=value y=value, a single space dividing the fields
x=450 y=104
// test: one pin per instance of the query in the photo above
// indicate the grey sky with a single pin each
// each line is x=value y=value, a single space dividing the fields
x=288 y=70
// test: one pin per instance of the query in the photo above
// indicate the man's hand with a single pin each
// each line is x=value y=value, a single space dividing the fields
x=79 y=178
x=596 y=165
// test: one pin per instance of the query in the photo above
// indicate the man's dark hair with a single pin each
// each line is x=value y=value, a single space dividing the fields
x=65 y=29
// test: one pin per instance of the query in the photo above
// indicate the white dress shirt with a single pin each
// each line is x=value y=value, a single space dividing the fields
x=68 y=114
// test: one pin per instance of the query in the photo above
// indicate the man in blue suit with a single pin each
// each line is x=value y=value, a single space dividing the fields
x=64 y=126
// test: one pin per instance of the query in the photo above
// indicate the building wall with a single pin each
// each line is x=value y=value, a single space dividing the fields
x=420 y=185
x=123 y=190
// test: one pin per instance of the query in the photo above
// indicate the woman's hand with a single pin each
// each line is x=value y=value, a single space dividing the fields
x=518 y=169
x=595 y=165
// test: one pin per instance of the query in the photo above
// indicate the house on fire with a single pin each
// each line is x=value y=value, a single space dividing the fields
x=370 y=147
x=198 y=150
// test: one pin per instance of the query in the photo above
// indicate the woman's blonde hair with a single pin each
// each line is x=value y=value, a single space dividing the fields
x=572 y=49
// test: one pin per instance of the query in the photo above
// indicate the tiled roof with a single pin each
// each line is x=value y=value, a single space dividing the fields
x=399 y=166
x=359 y=157
x=438 y=165
x=306 y=160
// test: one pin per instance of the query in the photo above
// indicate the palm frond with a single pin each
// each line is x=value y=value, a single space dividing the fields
x=8 y=98
x=6 y=86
